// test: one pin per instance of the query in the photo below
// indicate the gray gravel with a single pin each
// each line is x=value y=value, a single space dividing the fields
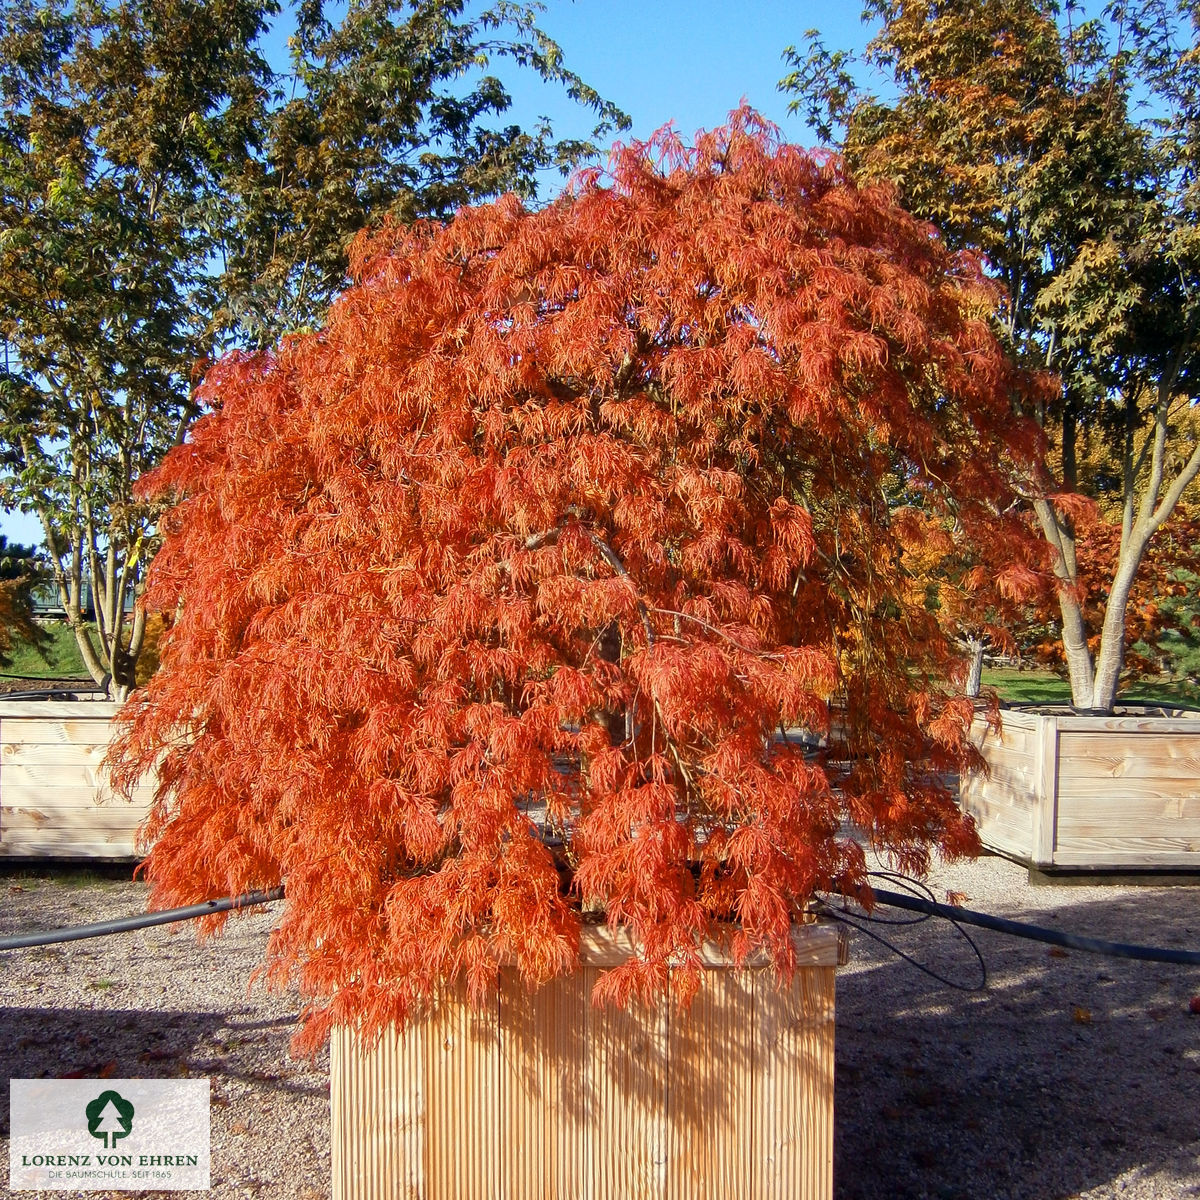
x=1071 y=1075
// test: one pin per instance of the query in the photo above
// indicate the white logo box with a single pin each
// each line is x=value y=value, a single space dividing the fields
x=113 y=1134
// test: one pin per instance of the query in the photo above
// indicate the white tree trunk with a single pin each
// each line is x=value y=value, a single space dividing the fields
x=975 y=673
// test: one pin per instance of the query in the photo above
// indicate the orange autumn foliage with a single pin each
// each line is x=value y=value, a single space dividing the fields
x=494 y=595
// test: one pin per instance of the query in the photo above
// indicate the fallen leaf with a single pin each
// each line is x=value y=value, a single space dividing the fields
x=152 y=1056
x=957 y=899
x=1057 y=952
x=1081 y=1015
x=1194 y=1004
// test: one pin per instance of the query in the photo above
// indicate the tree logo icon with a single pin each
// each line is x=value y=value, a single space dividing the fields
x=109 y=1116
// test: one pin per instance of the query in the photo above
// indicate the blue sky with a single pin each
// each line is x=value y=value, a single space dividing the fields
x=668 y=60
x=659 y=60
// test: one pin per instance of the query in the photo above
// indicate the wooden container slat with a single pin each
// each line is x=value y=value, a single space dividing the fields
x=1187 y=725
x=383 y=1088
x=53 y=776
x=461 y=1059
x=71 y=710
x=714 y=1059
x=626 y=1151
x=54 y=730
x=1127 y=853
x=1128 y=801
x=1100 y=758
x=1114 y=826
x=793 y=1113
x=107 y=819
x=58 y=845
x=100 y=798
x=547 y=1096
x=545 y=1090
x=48 y=754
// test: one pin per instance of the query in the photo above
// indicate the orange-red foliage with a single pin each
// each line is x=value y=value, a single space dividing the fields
x=493 y=594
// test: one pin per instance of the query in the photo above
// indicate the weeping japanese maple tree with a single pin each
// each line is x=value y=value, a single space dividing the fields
x=501 y=601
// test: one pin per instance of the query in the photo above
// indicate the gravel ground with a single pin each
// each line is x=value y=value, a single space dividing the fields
x=1070 y=1076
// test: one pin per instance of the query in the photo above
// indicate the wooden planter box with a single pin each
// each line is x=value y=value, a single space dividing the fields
x=1104 y=792
x=54 y=800
x=544 y=1097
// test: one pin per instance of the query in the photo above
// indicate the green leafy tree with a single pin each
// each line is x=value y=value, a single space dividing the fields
x=165 y=194
x=21 y=569
x=1063 y=150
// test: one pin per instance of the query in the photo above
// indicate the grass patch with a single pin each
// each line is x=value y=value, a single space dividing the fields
x=1044 y=687
x=57 y=658
x=1027 y=687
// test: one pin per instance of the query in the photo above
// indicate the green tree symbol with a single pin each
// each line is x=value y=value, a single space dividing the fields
x=109 y=1116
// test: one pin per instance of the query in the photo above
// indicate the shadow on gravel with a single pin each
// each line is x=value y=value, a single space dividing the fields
x=57 y=1043
x=64 y=1043
x=1068 y=1071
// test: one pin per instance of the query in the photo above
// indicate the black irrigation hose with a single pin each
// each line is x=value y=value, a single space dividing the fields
x=862 y=921
x=1038 y=933
x=122 y=924
x=48 y=678
x=915 y=904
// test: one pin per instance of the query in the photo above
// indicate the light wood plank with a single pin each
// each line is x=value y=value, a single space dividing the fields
x=52 y=730
x=1186 y=725
x=1135 y=853
x=1128 y=802
x=793 y=1108
x=49 y=754
x=1045 y=790
x=33 y=845
x=461 y=1078
x=71 y=709
x=377 y=1116
x=713 y=1057
x=71 y=822
x=1105 y=756
x=627 y=1144
x=23 y=795
x=63 y=774
x=546 y=1093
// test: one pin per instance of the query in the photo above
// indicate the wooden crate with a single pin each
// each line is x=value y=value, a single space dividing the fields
x=543 y=1096
x=1105 y=792
x=54 y=799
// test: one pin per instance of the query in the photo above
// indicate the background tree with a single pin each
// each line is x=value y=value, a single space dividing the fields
x=495 y=594
x=21 y=569
x=165 y=192
x=1063 y=150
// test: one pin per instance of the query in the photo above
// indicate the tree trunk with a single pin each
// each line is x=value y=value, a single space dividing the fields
x=1111 y=658
x=1074 y=630
x=975 y=674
